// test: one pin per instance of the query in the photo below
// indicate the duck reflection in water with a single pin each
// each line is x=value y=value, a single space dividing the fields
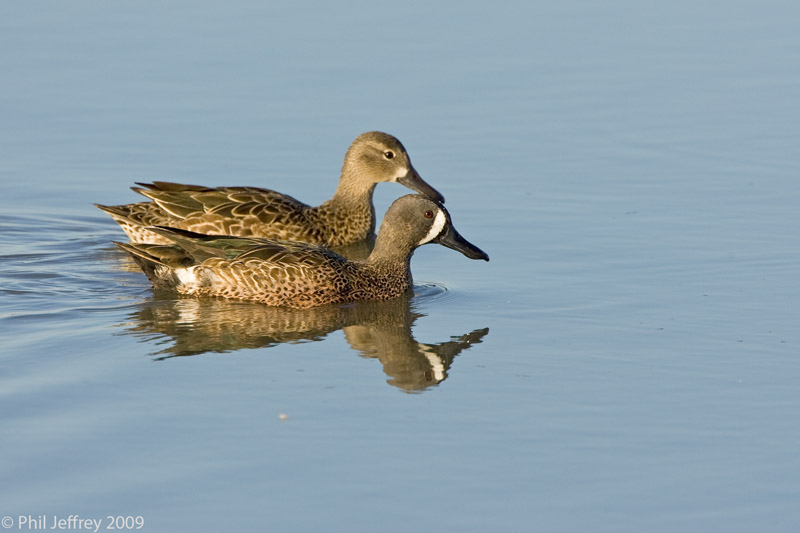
x=375 y=329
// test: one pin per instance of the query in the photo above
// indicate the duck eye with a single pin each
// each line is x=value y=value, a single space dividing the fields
x=428 y=214
x=388 y=154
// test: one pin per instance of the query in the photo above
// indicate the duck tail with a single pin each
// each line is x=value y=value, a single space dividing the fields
x=120 y=213
x=158 y=261
x=147 y=261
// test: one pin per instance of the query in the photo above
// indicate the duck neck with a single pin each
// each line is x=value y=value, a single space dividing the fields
x=390 y=277
x=351 y=208
x=391 y=253
x=355 y=188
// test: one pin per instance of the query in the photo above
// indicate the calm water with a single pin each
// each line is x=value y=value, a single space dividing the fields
x=627 y=361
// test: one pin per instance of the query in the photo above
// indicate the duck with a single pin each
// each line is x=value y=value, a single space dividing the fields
x=346 y=218
x=299 y=275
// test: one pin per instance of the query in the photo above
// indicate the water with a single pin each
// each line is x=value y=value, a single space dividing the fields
x=627 y=361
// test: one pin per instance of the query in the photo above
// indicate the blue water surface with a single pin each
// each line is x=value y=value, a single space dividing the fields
x=627 y=360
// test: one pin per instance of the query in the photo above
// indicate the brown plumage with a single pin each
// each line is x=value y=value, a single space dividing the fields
x=298 y=275
x=347 y=218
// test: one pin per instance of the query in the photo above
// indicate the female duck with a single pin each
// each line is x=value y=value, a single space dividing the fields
x=295 y=274
x=347 y=218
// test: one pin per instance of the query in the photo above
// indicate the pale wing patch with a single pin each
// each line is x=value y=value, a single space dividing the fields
x=436 y=228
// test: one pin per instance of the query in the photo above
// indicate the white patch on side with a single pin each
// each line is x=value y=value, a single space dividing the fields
x=436 y=228
x=186 y=276
x=191 y=278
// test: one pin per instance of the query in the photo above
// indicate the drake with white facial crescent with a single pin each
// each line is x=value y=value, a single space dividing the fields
x=280 y=273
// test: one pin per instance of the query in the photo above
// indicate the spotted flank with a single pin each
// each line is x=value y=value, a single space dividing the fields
x=298 y=275
x=348 y=217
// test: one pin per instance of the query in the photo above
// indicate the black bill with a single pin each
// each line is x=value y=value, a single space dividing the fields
x=415 y=183
x=452 y=239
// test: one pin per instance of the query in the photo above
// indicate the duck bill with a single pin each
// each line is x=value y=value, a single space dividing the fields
x=452 y=239
x=415 y=183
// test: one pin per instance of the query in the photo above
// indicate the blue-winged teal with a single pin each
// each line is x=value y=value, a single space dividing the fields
x=348 y=217
x=299 y=275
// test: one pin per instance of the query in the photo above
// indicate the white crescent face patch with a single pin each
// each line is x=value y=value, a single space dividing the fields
x=436 y=227
x=437 y=365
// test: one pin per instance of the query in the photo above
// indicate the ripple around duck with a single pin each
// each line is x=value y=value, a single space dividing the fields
x=433 y=297
x=428 y=293
x=53 y=259
x=62 y=259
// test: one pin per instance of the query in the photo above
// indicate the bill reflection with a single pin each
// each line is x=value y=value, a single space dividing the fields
x=379 y=330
